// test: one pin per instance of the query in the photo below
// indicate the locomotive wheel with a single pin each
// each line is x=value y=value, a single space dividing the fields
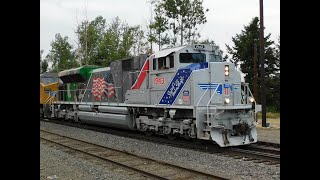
x=172 y=136
x=148 y=133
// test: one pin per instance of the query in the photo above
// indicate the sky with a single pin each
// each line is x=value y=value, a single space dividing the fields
x=226 y=18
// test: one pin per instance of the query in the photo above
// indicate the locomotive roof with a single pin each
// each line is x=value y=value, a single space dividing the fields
x=49 y=74
x=101 y=69
x=83 y=70
x=79 y=74
x=166 y=52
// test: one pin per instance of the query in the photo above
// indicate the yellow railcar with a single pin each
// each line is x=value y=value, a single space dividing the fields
x=47 y=90
x=49 y=84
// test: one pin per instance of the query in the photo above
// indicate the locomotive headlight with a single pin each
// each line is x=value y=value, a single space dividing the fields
x=226 y=70
x=227 y=100
x=251 y=99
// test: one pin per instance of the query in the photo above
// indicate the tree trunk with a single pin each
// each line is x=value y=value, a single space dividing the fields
x=255 y=78
x=181 y=31
x=263 y=95
x=159 y=41
x=189 y=35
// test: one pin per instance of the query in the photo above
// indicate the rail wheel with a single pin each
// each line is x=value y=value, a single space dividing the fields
x=171 y=136
x=148 y=133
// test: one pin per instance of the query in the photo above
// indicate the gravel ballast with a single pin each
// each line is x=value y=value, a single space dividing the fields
x=212 y=163
x=269 y=135
x=58 y=162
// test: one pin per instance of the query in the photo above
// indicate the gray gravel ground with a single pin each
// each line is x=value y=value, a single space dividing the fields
x=57 y=162
x=269 y=135
x=212 y=163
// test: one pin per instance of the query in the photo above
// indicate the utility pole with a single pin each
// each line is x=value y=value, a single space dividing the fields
x=255 y=78
x=151 y=18
x=263 y=95
x=86 y=46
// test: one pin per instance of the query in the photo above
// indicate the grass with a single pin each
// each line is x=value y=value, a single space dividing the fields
x=272 y=118
x=270 y=115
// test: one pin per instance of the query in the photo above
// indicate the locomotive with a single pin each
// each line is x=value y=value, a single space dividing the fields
x=186 y=91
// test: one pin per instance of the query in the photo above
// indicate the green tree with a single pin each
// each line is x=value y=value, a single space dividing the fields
x=184 y=17
x=160 y=25
x=89 y=37
x=274 y=82
x=61 y=54
x=44 y=66
x=127 y=40
x=100 y=42
x=243 y=52
x=140 y=45
x=43 y=63
x=41 y=52
x=120 y=41
x=277 y=53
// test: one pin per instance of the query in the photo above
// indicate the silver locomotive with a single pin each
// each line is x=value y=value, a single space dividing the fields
x=183 y=91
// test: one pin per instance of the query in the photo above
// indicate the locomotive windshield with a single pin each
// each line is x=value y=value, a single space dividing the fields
x=192 y=57
x=215 y=58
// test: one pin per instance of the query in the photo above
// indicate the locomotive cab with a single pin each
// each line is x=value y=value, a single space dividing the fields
x=175 y=58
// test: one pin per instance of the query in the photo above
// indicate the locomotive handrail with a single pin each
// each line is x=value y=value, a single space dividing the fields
x=201 y=97
x=61 y=96
x=50 y=97
x=210 y=101
x=86 y=86
x=214 y=92
x=250 y=92
x=247 y=92
x=255 y=103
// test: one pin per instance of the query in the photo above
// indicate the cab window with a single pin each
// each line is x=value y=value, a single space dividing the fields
x=192 y=57
x=215 y=58
x=171 y=61
x=162 y=63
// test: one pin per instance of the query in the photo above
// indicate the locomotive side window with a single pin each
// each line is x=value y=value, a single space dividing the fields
x=192 y=57
x=154 y=64
x=171 y=62
x=162 y=63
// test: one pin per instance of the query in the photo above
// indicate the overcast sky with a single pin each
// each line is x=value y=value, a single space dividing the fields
x=225 y=17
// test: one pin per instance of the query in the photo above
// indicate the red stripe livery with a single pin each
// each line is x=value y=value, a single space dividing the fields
x=142 y=76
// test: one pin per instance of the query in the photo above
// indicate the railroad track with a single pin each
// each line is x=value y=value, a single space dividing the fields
x=249 y=154
x=261 y=152
x=142 y=165
x=269 y=144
